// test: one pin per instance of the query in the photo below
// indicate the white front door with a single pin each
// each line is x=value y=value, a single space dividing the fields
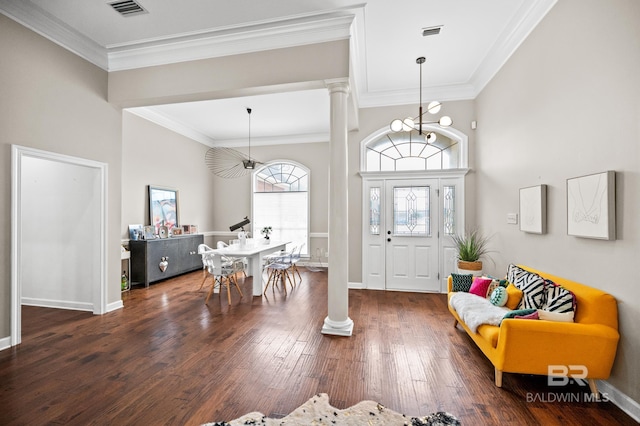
x=407 y=231
x=411 y=234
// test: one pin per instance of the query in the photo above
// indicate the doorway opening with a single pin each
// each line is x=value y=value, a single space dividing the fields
x=58 y=233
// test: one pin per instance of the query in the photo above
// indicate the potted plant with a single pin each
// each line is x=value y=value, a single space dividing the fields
x=471 y=247
x=266 y=231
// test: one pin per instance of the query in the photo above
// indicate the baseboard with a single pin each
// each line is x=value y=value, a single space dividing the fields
x=5 y=343
x=306 y=263
x=58 y=304
x=115 y=306
x=356 y=286
x=620 y=400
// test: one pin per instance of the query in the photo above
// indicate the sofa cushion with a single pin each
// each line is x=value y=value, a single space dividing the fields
x=558 y=299
x=555 y=316
x=514 y=296
x=480 y=286
x=492 y=286
x=499 y=296
x=513 y=272
x=531 y=316
x=461 y=282
x=532 y=286
x=490 y=333
x=518 y=313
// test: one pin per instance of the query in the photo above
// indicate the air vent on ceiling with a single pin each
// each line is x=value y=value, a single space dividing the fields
x=429 y=31
x=128 y=7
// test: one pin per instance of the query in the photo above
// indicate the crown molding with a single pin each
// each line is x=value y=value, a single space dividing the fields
x=275 y=140
x=53 y=29
x=231 y=41
x=148 y=113
x=298 y=30
x=509 y=41
x=454 y=92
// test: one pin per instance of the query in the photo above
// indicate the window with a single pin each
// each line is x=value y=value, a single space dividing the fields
x=281 y=200
x=410 y=151
x=411 y=215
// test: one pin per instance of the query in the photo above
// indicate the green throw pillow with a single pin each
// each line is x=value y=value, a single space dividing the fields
x=499 y=296
x=461 y=282
x=519 y=313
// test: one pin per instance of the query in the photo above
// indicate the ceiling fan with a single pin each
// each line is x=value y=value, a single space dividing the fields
x=229 y=163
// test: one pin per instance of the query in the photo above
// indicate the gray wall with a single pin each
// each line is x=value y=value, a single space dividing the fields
x=568 y=104
x=158 y=156
x=53 y=100
x=153 y=155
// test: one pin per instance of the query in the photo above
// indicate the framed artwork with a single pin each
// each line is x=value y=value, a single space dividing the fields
x=149 y=232
x=136 y=232
x=591 y=206
x=163 y=207
x=533 y=209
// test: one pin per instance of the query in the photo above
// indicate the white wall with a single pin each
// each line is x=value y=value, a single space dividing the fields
x=61 y=210
x=568 y=104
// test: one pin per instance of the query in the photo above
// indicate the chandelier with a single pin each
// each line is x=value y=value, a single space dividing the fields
x=409 y=124
x=230 y=163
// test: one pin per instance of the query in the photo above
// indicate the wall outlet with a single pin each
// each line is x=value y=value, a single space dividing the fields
x=326 y=254
x=512 y=218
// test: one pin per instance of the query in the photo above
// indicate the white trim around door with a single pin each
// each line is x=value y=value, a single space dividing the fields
x=430 y=258
x=95 y=244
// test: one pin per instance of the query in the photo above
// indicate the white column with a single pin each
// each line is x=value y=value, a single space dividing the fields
x=337 y=321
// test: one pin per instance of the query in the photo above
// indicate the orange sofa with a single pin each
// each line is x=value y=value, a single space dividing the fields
x=531 y=346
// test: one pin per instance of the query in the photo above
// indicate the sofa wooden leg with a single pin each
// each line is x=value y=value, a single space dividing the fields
x=594 y=388
x=455 y=323
x=498 y=378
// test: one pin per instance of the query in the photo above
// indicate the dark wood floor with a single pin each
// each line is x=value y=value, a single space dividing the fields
x=167 y=358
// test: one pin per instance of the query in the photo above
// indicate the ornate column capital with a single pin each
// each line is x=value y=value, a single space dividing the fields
x=338 y=85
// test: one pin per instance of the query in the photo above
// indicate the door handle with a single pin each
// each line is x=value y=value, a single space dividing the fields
x=388 y=232
x=389 y=239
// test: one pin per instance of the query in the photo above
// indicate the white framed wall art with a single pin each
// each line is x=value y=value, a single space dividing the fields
x=591 y=206
x=533 y=209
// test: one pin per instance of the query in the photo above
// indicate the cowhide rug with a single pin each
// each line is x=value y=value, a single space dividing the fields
x=318 y=411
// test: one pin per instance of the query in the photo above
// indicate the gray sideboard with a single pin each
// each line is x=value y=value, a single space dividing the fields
x=180 y=252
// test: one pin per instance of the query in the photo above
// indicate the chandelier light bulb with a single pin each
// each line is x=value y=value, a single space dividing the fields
x=408 y=124
x=445 y=121
x=434 y=107
x=396 y=125
x=430 y=137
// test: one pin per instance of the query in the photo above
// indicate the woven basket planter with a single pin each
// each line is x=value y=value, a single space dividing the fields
x=474 y=268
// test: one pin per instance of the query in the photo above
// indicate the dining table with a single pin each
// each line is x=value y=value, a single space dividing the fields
x=254 y=251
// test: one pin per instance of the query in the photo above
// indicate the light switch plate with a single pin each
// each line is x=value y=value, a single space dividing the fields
x=512 y=218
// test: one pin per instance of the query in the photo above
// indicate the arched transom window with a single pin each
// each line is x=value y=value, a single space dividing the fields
x=281 y=201
x=406 y=151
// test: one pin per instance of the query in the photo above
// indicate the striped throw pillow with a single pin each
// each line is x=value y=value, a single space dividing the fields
x=533 y=289
x=558 y=299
